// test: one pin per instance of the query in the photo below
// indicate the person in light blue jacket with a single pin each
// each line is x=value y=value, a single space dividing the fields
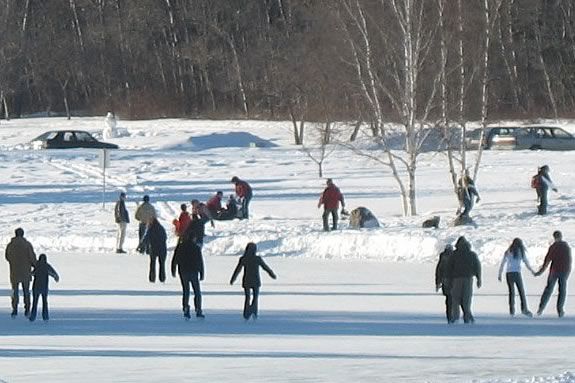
x=513 y=258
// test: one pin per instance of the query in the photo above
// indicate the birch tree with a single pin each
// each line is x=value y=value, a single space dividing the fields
x=391 y=44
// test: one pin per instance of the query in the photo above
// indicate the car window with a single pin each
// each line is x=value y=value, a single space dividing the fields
x=84 y=137
x=69 y=136
x=46 y=136
x=522 y=132
x=560 y=133
x=504 y=131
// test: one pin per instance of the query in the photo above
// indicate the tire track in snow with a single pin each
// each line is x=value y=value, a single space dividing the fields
x=93 y=173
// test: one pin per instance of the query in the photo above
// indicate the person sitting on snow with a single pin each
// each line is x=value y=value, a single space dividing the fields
x=230 y=211
x=214 y=204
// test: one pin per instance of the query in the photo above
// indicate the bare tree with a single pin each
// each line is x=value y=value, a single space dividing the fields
x=389 y=61
x=322 y=146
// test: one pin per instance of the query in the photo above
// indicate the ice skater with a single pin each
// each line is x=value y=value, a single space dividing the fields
x=559 y=256
x=251 y=282
x=513 y=257
x=42 y=272
x=190 y=264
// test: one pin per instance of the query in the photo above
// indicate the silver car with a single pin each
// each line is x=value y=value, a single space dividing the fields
x=534 y=137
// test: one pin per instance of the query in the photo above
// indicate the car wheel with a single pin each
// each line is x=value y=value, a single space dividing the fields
x=535 y=147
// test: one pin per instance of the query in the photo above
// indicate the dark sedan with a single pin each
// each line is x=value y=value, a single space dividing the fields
x=69 y=139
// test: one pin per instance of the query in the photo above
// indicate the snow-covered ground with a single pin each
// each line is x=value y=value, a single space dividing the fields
x=347 y=305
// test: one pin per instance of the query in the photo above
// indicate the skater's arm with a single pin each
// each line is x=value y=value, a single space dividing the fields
x=527 y=264
x=175 y=258
x=501 y=267
x=267 y=269
x=478 y=271
x=236 y=271
x=53 y=273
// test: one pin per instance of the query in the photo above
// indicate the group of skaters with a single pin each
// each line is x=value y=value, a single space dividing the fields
x=457 y=267
x=187 y=260
x=454 y=272
x=24 y=266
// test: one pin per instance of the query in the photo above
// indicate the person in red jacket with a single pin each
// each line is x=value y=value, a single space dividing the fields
x=330 y=199
x=181 y=223
x=244 y=194
x=559 y=255
x=214 y=204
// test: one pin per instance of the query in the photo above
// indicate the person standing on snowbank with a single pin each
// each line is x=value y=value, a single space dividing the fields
x=41 y=272
x=145 y=213
x=251 y=281
x=559 y=256
x=467 y=193
x=464 y=265
x=190 y=264
x=330 y=199
x=156 y=239
x=513 y=258
x=122 y=220
x=541 y=182
x=21 y=257
x=182 y=222
x=244 y=193
x=443 y=279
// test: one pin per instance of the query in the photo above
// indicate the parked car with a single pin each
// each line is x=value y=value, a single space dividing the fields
x=68 y=139
x=532 y=137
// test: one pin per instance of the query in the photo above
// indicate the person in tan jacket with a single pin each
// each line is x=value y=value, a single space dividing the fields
x=21 y=257
x=145 y=214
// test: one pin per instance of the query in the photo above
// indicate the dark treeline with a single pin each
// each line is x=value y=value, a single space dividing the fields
x=294 y=59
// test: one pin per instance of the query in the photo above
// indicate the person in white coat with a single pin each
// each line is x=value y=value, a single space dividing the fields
x=110 y=129
x=513 y=258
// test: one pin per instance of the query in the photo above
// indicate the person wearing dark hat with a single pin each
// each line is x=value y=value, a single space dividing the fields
x=244 y=193
x=330 y=199
x=156 y=240
x=559 y=256
x=145 y=213
x=463 y=266
x=122 y=219
x=443 y=279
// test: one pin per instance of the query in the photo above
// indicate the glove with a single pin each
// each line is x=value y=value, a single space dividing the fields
x=499 y=278
x=479 y=283
x=555 y=190
x=477 y=200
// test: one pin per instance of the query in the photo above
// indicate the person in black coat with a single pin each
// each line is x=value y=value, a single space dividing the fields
x=463 y=266
x=190 y=264
x=251 y=282
x=41 y=272
x=156 y=238
x=443 y=279
x=196 y=230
